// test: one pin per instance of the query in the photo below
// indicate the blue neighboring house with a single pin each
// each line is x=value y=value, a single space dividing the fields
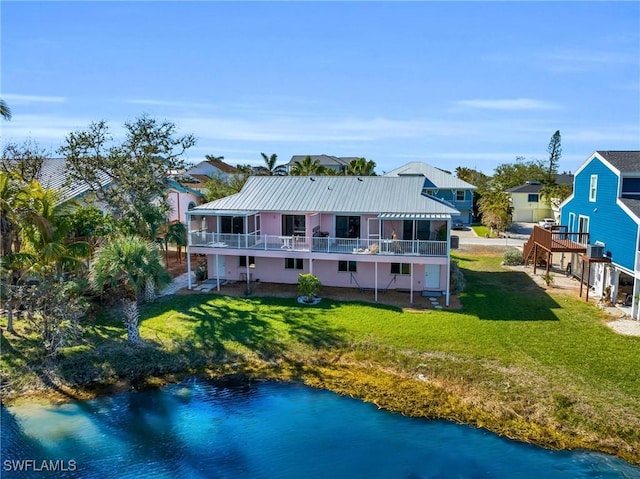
x=441 y=185
x=606 y=204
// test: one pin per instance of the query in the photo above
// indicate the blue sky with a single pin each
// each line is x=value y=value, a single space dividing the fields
x=452 y=84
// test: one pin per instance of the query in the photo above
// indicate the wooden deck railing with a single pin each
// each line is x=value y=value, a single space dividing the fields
x=555 y=240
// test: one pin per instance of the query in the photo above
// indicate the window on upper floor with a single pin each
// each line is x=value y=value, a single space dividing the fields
x=631 y=188
x=460 y=195
x=593 y=187
x=532 y=197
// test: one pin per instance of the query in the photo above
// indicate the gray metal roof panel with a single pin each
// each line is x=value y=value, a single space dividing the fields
x=439 y=178
x=54 y=176
x=332 y=194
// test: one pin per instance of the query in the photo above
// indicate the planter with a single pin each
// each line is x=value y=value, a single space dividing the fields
x=304 y=300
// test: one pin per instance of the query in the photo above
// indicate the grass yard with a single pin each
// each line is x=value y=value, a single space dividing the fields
x=533 y=366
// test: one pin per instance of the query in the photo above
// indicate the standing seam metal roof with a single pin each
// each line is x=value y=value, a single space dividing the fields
x=438 y=177
x=332 y=194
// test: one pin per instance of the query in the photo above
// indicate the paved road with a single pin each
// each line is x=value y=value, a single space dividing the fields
x=516 y=237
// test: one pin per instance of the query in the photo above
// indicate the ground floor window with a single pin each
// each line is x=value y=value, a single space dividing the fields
x=293 y=263
x=349 y=266
x=400 y=268
x=243 y=261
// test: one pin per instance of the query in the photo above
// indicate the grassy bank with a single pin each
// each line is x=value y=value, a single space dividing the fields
x=532 y=366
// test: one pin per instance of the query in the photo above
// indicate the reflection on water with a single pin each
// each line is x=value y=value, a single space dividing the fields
x=265 y=430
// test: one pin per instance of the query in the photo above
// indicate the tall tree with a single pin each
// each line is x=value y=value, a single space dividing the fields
x=477 y=179
x=5 y=111
x=495 y=209
x=510 y=175
x=270 y=168
x=23 y=161
x=361 y=167
x=126 y=266
x=307 y=167
x=132 y=175
x=555 y=152
x=473 y=177
x=47 y=251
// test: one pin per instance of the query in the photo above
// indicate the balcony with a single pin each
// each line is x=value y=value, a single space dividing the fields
x=356 y=246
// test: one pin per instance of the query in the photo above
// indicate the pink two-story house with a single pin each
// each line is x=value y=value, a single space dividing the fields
x=371 y=232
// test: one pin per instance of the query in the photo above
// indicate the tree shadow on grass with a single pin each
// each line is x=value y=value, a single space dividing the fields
x=506 y=296
x=264 y=325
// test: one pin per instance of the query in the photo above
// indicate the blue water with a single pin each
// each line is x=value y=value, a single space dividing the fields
x=266 y=430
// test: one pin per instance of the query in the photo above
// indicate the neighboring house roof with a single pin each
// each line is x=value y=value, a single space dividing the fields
x=333 y=194
x=54 y=175
x=536 y=186
x=211 y=168
x=529 y=187
x=183 y=188
x=437 y=178
x=222 y=166
x=564 y=179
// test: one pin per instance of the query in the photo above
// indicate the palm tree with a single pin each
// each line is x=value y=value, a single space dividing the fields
x=307 y=167
x=47 y=251
x=361 y=167
x=13 y=201
x=127 y=265
x=5 y=111
x=271 y=169
x=177 y=235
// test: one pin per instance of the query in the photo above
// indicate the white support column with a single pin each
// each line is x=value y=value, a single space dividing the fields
x=188 y=266
x=310 y=265
x=248 y=273
x=217 y=274
x=375 y=280
x=448 y=276
x=448 y=264
x=411 y=294
x=634 y=304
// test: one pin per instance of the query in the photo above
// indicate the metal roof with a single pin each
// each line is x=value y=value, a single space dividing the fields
x=54 y=175
x=438 y=178
x=331 y=194
x=414 y=216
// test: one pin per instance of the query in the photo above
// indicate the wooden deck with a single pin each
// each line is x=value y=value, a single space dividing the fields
x=555 y=240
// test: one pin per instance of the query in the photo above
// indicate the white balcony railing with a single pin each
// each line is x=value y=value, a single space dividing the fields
x=318 y=244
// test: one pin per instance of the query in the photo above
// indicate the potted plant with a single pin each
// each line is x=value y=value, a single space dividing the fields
x=308 y=286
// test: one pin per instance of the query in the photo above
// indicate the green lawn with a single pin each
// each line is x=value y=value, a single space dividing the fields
x=515 y=359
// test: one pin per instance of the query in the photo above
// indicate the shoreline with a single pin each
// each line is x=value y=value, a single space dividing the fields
x=392 y=391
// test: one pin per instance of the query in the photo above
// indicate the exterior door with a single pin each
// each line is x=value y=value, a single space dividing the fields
x=431 y=276
x=221 y=266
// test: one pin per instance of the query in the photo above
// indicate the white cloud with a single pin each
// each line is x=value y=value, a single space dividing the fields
x=509 y=104
x=29 y=99
x=167 y=103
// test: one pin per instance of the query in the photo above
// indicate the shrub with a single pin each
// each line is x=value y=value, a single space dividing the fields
x=512 y=257
x=308 y=286
x=458 y=283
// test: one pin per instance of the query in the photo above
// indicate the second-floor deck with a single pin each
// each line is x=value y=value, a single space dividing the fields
x=356 y=246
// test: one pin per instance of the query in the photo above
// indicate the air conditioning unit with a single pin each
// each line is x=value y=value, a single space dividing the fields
x=595 y=251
